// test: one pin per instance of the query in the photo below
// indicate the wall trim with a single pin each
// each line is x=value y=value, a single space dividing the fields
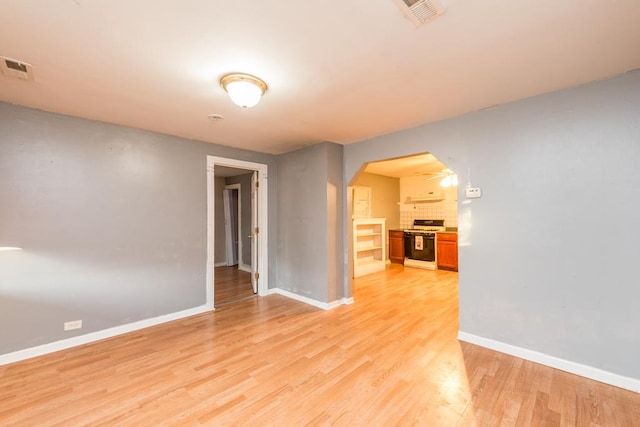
x=244 y=267
x=586 y=371
x=311 y=301
x=220 y=264
x=64 y=344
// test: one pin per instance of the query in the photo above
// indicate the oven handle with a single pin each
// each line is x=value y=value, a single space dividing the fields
x=428 y=236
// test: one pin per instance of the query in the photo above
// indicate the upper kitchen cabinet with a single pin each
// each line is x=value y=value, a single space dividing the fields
x=361 y=202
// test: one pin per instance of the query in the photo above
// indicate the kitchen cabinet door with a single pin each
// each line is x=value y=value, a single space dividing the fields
x=396 y=246
x=447 y=251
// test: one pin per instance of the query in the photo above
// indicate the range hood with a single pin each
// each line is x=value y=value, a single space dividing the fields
x=431 y=196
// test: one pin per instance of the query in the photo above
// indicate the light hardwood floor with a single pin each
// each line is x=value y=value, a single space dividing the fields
x=389 y=359
x=231 y=284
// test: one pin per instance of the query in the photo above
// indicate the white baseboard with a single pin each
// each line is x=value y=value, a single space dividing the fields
x=311 y=301
x=244 y=267
x=336 y=303
x=40 y=350
x=220 y=264
x=586 y=371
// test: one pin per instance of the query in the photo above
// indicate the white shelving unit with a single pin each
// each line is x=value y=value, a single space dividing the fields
x=369 y=246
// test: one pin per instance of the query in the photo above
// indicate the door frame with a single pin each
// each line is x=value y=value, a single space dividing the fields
x=262 y=218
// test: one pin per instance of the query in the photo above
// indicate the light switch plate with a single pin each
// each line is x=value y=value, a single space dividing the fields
x=473 y=193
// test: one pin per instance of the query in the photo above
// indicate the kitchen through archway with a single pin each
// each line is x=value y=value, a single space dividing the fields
x=403 y=214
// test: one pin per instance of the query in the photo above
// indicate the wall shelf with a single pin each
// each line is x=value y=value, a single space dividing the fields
x=369 y=246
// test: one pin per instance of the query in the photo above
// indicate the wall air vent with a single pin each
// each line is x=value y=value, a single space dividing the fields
x=421 y=11
x=16 y=69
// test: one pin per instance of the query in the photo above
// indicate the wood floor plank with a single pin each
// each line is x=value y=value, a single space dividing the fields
x=231 y=284
x=391 y=358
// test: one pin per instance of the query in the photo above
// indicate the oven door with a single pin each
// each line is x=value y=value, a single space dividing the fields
x=420 y=246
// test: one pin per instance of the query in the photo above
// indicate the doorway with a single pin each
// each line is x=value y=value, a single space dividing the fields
x=237 y=230
x=400 y=191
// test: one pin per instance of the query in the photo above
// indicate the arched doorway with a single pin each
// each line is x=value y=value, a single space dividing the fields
x=401 y=191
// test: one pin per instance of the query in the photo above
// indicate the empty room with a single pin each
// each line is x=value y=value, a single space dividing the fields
x=348 y=213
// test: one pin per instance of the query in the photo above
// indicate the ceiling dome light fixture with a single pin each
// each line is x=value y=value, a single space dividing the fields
x=243 y=89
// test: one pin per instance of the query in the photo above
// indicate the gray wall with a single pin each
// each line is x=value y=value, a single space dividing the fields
x=336 y=250
x=548 y=254
x=310 y=256
x=245 y=207
x=112 y=222
x=385 y=195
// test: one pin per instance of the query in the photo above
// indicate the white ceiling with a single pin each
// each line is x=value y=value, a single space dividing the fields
x=337 y=70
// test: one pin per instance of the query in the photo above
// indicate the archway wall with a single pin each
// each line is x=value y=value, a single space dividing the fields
x=310 y=205
x=551 y=168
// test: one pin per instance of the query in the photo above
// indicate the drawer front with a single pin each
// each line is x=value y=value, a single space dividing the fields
x=448 y=237
x=396 y=233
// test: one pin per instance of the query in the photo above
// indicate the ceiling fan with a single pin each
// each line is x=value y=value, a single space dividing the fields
x=448 y=177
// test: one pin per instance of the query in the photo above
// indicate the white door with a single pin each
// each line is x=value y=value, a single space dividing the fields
x=229 y=227
x=254 y=231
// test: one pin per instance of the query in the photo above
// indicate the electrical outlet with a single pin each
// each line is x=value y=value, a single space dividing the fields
x=473 y=193
x=74 y=324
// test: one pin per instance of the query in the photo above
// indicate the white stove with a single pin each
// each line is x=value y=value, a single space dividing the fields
x=427 y=225
x=420 y=243
x=425 y=230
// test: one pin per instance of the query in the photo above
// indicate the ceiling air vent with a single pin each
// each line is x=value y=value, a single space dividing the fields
x=15 y=69
x=421 y=11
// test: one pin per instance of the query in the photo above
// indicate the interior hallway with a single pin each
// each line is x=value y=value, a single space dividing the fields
x=391 y=358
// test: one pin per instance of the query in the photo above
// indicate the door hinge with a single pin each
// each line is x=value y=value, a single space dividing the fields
x=257 y=184
x=257 y=275
x=257 y=230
